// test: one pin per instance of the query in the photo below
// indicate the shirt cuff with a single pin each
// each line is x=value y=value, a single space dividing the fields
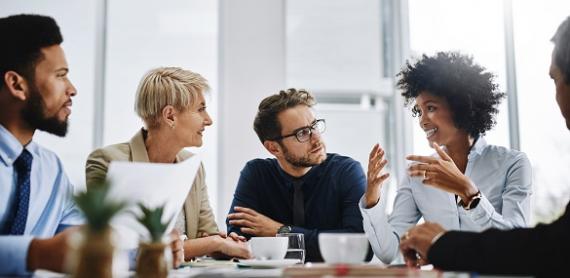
x=482 y=213
x=375 y=215
x=132 y=255
x=377 y=209
x=435 y=238
x=14 y=254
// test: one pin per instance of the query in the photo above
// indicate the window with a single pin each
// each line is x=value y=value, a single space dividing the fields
x=544 y=136
x=167 y=33
x=334 y=49
x=470 y=27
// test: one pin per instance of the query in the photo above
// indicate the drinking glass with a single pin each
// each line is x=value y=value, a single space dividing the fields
x=296 y=247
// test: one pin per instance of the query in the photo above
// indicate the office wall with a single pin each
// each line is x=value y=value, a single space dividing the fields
x=252 y=66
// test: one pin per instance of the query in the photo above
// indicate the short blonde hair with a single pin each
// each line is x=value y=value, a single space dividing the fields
x=167 y=86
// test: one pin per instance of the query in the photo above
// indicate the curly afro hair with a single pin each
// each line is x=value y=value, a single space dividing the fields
x=468 y=88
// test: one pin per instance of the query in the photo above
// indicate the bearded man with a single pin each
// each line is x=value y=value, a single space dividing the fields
x=303 y=189
x=36 y=203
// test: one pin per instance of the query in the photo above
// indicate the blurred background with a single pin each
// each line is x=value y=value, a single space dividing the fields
x=346 y=52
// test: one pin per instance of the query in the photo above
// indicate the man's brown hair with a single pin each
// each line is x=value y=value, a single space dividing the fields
x=266 y=124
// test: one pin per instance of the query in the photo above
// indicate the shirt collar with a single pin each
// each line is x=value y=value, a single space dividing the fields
x=478 y=147
x=10 y=147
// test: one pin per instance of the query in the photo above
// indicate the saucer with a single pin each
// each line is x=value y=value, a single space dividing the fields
x=267 y=263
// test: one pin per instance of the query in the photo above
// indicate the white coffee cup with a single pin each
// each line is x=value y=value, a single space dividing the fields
x=346 y=248
x=269 y=248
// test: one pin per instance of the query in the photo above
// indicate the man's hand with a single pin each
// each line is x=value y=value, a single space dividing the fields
x=376 y=163
x=253 y=223
x=50 y=253
x=442 y=173
x=416 y=242
x=177 y=247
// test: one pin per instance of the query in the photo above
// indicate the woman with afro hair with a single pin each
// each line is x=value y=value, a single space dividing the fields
x=466 y=184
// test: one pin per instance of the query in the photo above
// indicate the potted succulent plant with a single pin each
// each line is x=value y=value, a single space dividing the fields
x=151 y=261
x=95 y=253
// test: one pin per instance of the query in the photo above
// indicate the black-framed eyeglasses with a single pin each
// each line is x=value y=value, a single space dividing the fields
x=303 y=134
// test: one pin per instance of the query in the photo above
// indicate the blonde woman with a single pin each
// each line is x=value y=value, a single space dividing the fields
x=171 y=103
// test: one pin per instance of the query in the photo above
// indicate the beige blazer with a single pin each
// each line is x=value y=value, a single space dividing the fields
x=199 y=215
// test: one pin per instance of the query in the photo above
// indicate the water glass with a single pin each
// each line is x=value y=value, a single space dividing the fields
x=296 y=247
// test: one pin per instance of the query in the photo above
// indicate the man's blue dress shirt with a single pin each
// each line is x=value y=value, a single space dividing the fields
x=51 y=206
x=331 y=193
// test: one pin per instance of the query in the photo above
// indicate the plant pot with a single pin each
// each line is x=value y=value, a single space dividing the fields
x=151 y=261
x=95 y=255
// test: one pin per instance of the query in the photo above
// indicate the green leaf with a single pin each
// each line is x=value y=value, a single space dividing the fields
x=151 y=219
x=98 y=211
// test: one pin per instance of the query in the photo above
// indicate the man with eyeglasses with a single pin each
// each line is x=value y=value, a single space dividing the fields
x=303 y=189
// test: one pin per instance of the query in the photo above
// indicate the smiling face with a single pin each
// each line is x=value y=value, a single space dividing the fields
x=191 y=123
x=295 y=153
x=562 y=91
x=49 y=99
x=436 y=119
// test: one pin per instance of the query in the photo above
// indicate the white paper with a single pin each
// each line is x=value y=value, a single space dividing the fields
x=152 y=184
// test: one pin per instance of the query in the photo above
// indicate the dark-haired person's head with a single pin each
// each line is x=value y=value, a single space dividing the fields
x=463 y=93
x=560 y=68
x=286 y=125
x=34 y=73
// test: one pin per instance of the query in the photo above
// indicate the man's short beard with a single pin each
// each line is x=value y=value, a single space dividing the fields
x=300 y=162
x=34 y=114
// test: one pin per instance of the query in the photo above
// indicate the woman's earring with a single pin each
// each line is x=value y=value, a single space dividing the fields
x=172 y=125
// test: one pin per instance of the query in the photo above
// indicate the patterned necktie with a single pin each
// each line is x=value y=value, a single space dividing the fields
x=23 y=167
x=298 y=204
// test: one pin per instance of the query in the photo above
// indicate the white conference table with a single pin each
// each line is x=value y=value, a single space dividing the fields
x=222 y=272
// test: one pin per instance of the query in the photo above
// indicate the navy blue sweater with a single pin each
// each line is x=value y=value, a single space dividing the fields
x=331 y=191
